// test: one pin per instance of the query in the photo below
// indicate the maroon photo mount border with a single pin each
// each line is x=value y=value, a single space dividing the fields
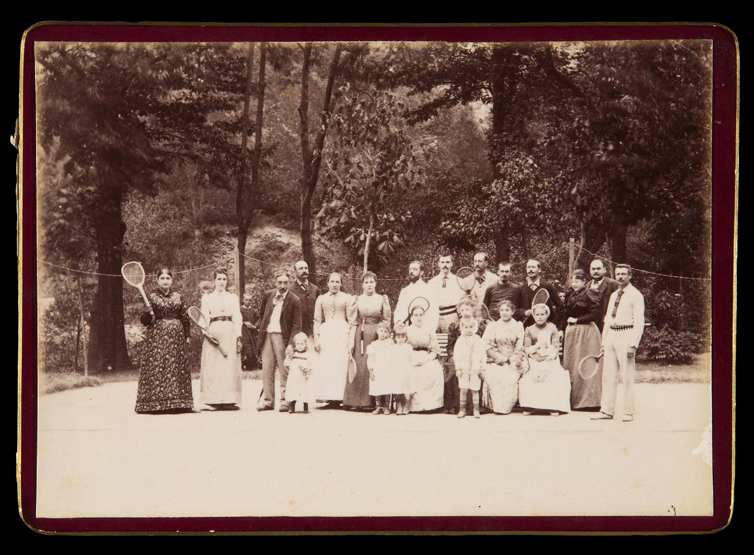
x=724 y=164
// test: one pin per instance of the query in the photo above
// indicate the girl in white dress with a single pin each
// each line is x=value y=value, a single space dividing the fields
x=381 y=374
x=299 y=386
x=400 y=357
x=469 y=359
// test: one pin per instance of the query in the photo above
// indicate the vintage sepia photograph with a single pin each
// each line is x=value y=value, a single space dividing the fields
x=243 y=247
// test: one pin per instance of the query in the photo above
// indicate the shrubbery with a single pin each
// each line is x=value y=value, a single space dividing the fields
x=671 y=346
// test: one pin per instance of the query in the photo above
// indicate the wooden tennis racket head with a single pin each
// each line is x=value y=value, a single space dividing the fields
x=133 y=273
x=588 y=366
x=465 y=278
x=540 y=297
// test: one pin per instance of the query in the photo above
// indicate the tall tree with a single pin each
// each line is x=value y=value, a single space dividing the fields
x=311 y=154
x=89 y=96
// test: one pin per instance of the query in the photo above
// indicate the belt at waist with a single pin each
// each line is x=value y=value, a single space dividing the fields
x=371 y=320
x=445 y=310
x=421 y=349
x=621 y=328
x=166 y=318
x=220 y=319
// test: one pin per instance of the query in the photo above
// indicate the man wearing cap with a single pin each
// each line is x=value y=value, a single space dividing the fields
x=624 y=326
x=600 y=287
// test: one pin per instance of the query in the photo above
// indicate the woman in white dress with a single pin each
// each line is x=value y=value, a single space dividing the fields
x=220 y=378
x=428 y=373
x=334 y=330
x=504 y=340
x=546 y=385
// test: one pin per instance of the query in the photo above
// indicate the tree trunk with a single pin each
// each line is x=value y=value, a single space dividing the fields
x=620 y=227
x=594 y=237
x=312 y=157
x=502 y=248
x=107 y=346
x=369 y=238
x=244 y=191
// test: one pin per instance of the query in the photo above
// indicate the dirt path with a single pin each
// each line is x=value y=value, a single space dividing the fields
x=97 y=458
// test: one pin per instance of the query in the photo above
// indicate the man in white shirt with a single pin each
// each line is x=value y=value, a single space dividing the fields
x=624 y=326
x=447 y=291
x=417 y=288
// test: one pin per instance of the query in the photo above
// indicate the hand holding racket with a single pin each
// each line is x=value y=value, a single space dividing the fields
x=589 y=365
x=133 y=273
x=196 y=315
x=540 y=297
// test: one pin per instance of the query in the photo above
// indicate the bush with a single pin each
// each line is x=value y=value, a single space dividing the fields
x=671 y=346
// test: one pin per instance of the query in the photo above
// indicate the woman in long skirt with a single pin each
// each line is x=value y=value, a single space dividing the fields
x=370 y=310
x=220 y=378
x=334 y=322
x=165 y=378
x=546 y=385
x=428 y=373
x=504 y=340
x=582 y=338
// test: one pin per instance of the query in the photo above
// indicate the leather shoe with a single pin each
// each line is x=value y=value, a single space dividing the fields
x=265 y=407
x=628 y=418
x=603 y=416
x=284 y=407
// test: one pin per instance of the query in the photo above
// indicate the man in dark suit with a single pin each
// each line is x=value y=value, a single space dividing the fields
x=281 y=321
x=307 y=293
x=601 y=287
x=527 y=291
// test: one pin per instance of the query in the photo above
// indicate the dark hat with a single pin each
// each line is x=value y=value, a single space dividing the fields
x=581 y=274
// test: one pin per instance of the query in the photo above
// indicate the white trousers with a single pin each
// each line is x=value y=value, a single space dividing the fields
x=616 y=363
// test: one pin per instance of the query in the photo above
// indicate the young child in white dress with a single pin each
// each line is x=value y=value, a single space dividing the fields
x=299 y=386
x=381 y=374
x=469 y=358
x=405 y=383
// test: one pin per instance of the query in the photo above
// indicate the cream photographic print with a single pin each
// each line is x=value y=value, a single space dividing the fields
x=444 y=227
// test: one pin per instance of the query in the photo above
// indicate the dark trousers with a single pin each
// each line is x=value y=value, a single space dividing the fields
x=273 y=357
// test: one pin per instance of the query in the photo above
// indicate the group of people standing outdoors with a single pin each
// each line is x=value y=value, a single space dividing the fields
x=447 y=337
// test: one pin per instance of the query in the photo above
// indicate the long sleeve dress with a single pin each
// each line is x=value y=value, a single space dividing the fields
x=249 y=339
x=546 y=385
x=500 y=387
x=334 y=315
x=220 y=379
x=428 y=375
x=369 y=310
x=581 y=339
x=165 y=378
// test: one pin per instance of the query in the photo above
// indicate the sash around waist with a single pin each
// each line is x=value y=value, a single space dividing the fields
x=371 y=320
x=220 y=319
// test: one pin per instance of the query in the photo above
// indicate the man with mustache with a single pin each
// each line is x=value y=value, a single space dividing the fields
x=483 y=279
x=600 y=287
x=624 y=326
x=534 y=283
x=417 y=288
x=306 y=292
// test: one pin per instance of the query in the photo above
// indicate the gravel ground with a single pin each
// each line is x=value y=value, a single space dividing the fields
x=97 y=458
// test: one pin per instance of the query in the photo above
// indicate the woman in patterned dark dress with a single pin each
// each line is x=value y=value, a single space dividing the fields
x=165 y=378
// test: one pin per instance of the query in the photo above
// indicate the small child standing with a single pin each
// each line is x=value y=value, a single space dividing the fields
x=381 y=375
x=469 y=358
x=299 y=386
x=400 y=360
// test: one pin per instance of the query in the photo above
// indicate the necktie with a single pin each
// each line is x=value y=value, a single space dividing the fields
x=480 y=279
x=278 y=298
x=617 y=301
x=444 y=282
x=533 y=286
x=305 y=287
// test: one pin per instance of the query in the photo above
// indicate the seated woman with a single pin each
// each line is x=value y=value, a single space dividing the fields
x=428 y=373
x=582 y=338
x=504 y=340
x=546 y=385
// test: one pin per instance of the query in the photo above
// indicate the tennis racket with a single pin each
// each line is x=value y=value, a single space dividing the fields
x=466 y=278
x=196 y=315
x=589 y=364
x=413 y=304
x=484 y=312
x=540 y=297
x=134 y=275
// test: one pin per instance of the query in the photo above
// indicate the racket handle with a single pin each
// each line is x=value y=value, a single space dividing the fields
x=144 y=296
